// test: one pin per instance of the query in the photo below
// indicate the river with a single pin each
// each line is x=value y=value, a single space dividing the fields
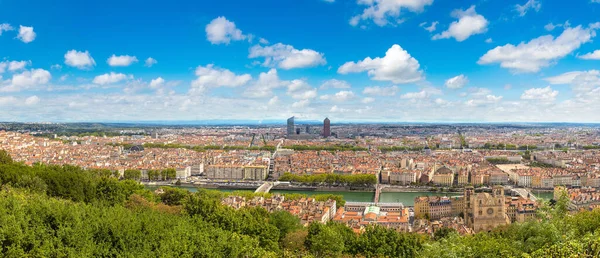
x=406 y=198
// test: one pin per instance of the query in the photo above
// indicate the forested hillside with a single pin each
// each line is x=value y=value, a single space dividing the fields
x=65 y=211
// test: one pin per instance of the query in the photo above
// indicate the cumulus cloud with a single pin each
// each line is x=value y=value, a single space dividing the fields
x=213 y=77
x=27 y=79
x=469 y=23
x=528 y=57
x=397 y=66
x=301 y=103
x=340 y=96
x=485 y=100
x=431 y=27
x=124 y=60
x=582 y=82
x=367 y=100
x=150 y=62
x=384 y=12
x=591 y=56
x=529 y=5
x=110 y=78
x=300 y=89
x=13 y=65
x=5 y=27
x=336 y=109
x=157 y=83
x=32 y=100
x=423 y=94
x=381 y=91
x=287 y=57
x=457 y=82
x=266 y=83
x=273 y=101
x=546 y=94
x=222 y=31
x=26 y=34
x=78 y=59
x=335 y=84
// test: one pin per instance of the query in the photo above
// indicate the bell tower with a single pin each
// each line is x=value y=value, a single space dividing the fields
x=469 y=205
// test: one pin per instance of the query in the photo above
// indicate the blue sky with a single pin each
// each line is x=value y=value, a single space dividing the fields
x=364 y=60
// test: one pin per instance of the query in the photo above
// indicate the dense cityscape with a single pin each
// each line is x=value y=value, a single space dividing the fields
x=488 y=172
x=292 y=129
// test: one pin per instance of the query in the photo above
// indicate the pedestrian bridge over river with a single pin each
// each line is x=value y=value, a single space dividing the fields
x=266 y=187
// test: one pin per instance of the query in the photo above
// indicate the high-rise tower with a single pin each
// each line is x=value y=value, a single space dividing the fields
x=290 y=126
x=326 y=127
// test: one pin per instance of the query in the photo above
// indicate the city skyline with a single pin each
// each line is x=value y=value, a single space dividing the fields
x=352 y=61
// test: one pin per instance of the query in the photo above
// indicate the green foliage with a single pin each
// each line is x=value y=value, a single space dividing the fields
x=5 y=158
x=330 y=179
x=173 y=196
x=132 y=174
x=498 y=161
x=285 y=222
x=339 y=200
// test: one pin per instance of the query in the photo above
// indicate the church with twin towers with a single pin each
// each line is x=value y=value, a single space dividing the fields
x=306 y=131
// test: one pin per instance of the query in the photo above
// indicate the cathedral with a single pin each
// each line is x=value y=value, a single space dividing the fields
x=485 y=211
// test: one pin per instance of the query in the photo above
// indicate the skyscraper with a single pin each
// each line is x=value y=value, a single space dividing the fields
x=290 y=126
x=326 y=127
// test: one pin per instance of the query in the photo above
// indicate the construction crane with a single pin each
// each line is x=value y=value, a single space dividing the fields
x=252 y=141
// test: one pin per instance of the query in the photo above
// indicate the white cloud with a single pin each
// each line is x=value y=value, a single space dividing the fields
x=17 y=65
x=341 y=96
x=381 y=91
x=124 y=60
x=530 y=4
x=150 y=62
x=274 y=101
x=550 y=27
x=539 y=52
x=430 y=28
x=300 y=89
x=336 y=109
x=367 y=100
x=26 y=34
x=56 y=67
x=383 y=12
x=213 y=77
x=287 y=57
x=157 y=83
x=222 y=31
x=488 y=99
x=301 y=103
x=489 y=40
x=582 y=82
x=5 y=27
x=31 y=78
x=546 y=94
x=32 y=100
x=263 y=41
x=81 y=60
x=335 y=84
x=13 y=65
x=27 y=79
x=591 y=56
x=109 y=78
x=397 y=66
x=266 y=83
x=8 y=100
x=422 y=94
x=329 y=1
x=469 y=23
x=457 y=82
